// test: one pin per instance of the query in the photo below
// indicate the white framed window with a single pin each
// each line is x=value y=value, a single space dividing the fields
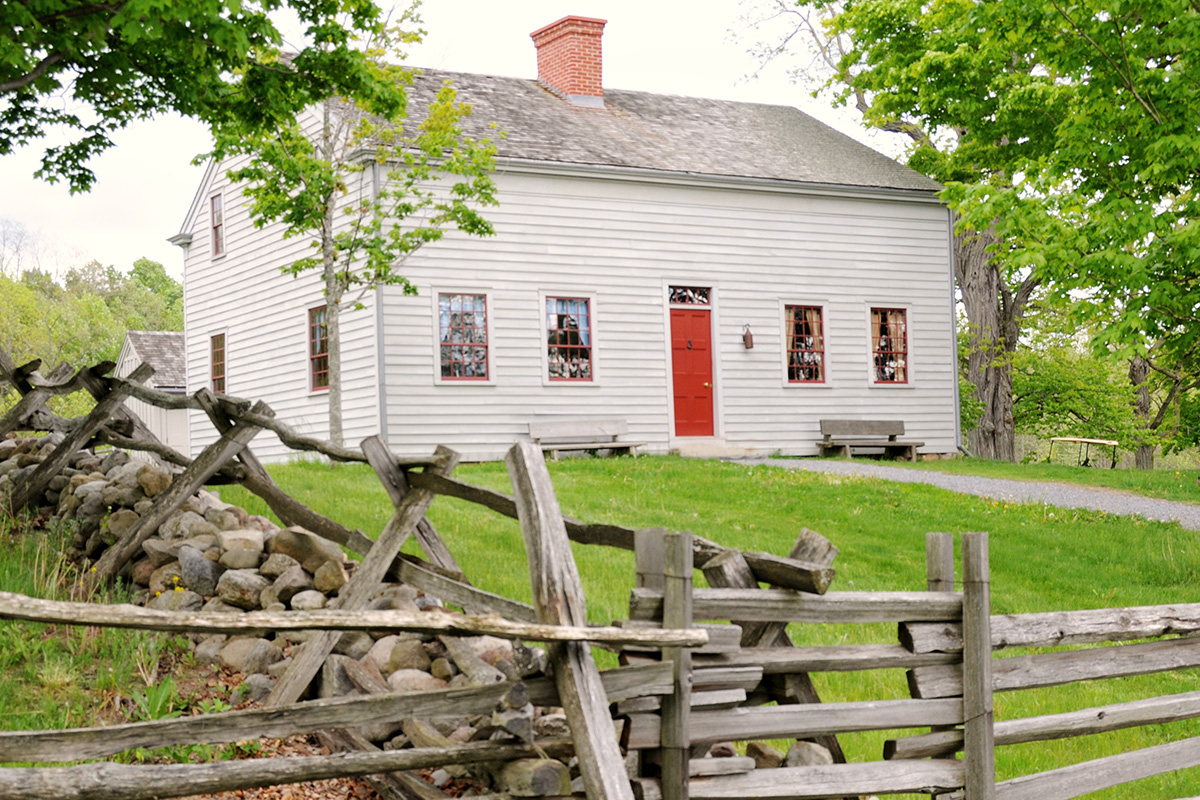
x=569 y=336
x=218 y=362
x=318 y=349
x=216 y=224
x=888 y=332
x=463 y=340
x=804 y=352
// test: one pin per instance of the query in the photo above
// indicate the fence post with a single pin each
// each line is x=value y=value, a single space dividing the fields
x=978 y=734
x=676 y=707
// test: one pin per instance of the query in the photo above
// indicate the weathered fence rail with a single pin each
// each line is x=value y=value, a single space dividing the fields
x=700 y=666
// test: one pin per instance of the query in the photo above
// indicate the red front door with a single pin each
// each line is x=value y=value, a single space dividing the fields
x=691 y=368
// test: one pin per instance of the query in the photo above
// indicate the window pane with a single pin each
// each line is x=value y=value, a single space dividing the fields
x=462 y=320
x=889 y=345
x=217 y=362
x=689 y=295
x=805 y=344
x=568 y=339
x=318 y=348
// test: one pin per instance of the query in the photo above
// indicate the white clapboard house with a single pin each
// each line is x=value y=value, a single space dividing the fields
x=720 y=275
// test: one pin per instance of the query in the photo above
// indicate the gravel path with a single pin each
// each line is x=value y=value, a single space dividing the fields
x=1055 y=494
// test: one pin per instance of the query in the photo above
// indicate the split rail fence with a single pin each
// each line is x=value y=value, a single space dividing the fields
x=698 y=665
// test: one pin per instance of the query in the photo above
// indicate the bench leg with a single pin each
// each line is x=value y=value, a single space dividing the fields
x=846 y=451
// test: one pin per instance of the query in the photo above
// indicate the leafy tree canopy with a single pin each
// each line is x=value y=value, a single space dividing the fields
x=217 y=61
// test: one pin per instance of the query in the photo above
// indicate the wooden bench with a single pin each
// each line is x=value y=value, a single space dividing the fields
x=556 y=435
x=841 y=436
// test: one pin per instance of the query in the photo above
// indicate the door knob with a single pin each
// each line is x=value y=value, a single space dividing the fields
x=708 y=386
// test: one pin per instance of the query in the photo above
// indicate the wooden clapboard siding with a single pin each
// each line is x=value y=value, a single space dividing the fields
x=621 y=243
x=264 y=315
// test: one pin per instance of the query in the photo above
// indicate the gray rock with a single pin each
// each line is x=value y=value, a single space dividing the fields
x=294 y=580
x=113 y=460
x=197 y=572
x=807 y=754
x=161 y=552
x=226 y=519
x=152 y=480
x=414 y=680
x=143 y=507
x=278 y=669
x=202 y=542
x=408 y=654
x=165 y=578
x=182 y=525
x=334 y=680
x=122 y=495
x=552 y=725
x=308 y=600
x=240 y=539
x=355 y=644
x=261 y=523
x=309 y=549
x=92 y=507
x=218 y=606
x=255 y=688
x=86 y=488
x=239 y=559
x=262 y=655
x=765 y=756
x=269 y=597
x=208 y=649
x=141 y=572
x=241 y=588
x=381 y=651
x=179 y=599
x=443 y=668
x=277 y=564
x=330 y=577
x=233 y=653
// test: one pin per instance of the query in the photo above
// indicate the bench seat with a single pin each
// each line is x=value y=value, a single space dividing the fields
x=558 y=435
x=843 y=436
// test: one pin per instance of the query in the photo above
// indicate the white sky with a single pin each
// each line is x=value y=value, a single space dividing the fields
x=145 y=183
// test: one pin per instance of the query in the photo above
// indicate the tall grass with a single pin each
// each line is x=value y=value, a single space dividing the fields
x=1042 y=559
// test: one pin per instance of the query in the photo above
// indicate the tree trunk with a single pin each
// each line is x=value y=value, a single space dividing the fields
x=994 y=311
x=1139 y=377
x=334 y=288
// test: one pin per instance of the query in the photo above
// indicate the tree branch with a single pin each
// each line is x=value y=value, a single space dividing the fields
x=38 y=71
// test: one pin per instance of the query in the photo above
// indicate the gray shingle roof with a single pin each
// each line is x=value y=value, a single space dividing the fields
x=667 y=133
x=163 y=350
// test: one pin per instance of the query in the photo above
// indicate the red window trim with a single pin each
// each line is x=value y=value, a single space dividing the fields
x=318 y=349
x=886 y=356
x=217 y=362
x=563 y=353
x=803 y=360
x=469 y=340
x=216 y=211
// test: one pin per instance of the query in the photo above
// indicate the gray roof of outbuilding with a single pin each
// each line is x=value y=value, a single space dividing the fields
x=667 y=133
x=163 y=350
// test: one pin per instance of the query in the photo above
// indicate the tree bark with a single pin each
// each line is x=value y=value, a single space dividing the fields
x=994 y=310
x=333 y=293
x=1139 y=377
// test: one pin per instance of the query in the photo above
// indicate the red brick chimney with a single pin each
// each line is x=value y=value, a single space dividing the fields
x=568 y=54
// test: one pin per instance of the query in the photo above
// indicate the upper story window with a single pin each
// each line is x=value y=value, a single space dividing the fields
x=217 y=363
x=462 y=336
x=217 y=222
x=689 y=295
x=889 y=345
x=569 y=338
x=318 y=349
x=805 y=344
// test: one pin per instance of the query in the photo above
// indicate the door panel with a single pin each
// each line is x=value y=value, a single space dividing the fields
x=691 y=367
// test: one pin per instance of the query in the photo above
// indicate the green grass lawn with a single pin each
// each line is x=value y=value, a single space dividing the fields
x=1042 y=559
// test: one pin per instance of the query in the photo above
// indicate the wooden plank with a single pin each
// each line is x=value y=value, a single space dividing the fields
x=83 y=743
x=979 y=751
x=356 y=593
x=1055 y=669
x=107 y=781
x=97 y=387
x=862 y=427
x=32 y=400
x=18 y=606
x=31 y=488
x=1102 y=773
x=1049 y=629
x=396 y=484
x=574 y=429
x=800 y=721
x=1086 y=722
x=182 y=487
x=781 y=605
x=558 y=599
x=832 y=780
x=677 y=706
x=713 y=678
x=453 y=592
x=826 y=658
